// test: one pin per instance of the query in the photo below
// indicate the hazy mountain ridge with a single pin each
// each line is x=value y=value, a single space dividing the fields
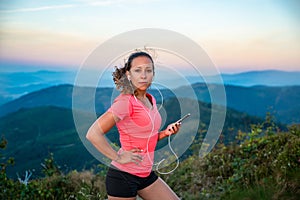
x=16 y=84
x=266 y=78
x=283 y=102
x=253 y=78
x=60 y=96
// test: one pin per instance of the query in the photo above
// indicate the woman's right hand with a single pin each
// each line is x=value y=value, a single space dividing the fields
x=130 y=156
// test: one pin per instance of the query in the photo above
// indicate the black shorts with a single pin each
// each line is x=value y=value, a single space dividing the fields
x=122 y=184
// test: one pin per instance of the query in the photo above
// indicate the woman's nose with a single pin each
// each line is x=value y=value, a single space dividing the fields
x=143 y=75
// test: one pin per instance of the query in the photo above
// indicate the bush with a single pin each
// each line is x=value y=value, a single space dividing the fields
x=260 y=167
x=55 y=184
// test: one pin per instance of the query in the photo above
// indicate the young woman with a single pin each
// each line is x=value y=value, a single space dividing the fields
x=135 y=114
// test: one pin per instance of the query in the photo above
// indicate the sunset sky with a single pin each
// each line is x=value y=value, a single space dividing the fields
x=238 y=35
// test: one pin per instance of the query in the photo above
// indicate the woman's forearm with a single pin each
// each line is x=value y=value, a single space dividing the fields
x=96 y=136
x=161 y=135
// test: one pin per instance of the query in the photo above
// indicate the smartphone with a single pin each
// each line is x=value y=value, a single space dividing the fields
x=183 y=118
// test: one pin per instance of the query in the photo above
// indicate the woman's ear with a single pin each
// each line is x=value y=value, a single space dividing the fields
x=128 y=75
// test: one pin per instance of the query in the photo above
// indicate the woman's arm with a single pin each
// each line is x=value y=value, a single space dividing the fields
x=96 y=134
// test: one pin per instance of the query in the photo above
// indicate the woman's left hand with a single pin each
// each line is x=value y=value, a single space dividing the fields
x=172 y=129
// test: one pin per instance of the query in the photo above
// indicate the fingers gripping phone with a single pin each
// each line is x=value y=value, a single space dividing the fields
x=181 y=120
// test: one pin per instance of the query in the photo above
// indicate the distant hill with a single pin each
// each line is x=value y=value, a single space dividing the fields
x=33 y=133
x=253 y=78
x=283 y=102
x=60 y=96
x=16 y=84
x=266 y=78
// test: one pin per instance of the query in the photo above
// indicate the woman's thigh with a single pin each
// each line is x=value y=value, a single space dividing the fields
x=120 y=198
x=158 y=190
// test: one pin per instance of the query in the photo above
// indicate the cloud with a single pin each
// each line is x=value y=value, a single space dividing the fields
x=114 y=2
x=42 y=8
x=77 y=4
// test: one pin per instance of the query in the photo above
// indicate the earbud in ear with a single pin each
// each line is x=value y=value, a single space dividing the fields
x=128 y=77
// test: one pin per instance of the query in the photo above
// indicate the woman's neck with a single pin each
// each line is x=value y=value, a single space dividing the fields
x=141 y=94
x=146 y=100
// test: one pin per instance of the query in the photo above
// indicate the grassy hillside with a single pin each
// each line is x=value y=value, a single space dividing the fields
x=36 y=132
x=264 y=166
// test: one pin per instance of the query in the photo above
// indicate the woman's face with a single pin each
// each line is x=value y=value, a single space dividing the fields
x=141 y=72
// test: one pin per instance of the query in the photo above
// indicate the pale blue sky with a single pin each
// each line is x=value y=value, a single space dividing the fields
x=238 y=35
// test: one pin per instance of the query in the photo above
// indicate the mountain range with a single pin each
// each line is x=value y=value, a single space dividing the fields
x=36 y=110
x=16 y=84
x=282 y=102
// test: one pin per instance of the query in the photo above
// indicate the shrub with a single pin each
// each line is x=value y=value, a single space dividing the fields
x=260 y=167
x=55 y=184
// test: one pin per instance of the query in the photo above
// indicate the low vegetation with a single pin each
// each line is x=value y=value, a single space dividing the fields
x=261 y=164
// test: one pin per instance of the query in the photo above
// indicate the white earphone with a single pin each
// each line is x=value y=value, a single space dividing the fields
x=128 y=77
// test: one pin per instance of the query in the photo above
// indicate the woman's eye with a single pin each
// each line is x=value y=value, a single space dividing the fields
x=137 y=70
x=149 y=70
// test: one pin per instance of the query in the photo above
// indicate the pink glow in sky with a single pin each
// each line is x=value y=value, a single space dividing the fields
x=237 y=35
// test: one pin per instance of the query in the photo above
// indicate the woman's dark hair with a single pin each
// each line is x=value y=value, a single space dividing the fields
x=119 y=75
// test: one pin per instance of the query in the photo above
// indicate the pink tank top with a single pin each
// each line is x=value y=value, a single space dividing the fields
x=138 y=128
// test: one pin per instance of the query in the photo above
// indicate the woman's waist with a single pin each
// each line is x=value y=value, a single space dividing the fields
x=143 y=149
x=144 y=144
x=143 y=167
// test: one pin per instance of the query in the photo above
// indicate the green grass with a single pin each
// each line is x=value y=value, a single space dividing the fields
x=269 y=189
